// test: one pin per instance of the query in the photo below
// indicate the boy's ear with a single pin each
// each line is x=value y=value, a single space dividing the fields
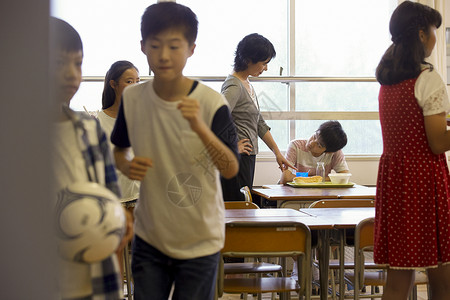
x=143 y=46
x=192 y=48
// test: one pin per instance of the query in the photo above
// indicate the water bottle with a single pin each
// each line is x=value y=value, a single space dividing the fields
x=320 y=170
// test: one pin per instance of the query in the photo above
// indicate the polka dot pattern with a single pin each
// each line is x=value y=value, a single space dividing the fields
x=412 y=222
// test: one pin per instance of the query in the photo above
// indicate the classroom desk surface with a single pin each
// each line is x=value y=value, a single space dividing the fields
x=280 y=192
x=321 y=219
x=314 y=218
x=339 y=218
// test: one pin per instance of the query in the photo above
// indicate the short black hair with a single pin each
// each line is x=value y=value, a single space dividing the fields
x=253 y=48
x=332 y=136
x=64 y=37
x=169 y=15
x=115 y=71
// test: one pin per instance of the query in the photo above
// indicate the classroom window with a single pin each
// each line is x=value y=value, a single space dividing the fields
x=327 y=52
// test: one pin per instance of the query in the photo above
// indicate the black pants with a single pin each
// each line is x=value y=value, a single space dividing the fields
x=231 y=187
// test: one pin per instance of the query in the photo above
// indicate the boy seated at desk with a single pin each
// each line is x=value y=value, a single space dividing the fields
x=323 y=146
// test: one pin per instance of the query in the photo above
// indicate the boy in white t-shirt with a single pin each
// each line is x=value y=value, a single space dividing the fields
x=183 y=139
x=323 y=146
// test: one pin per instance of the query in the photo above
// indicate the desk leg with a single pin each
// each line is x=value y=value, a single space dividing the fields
x=324 y=261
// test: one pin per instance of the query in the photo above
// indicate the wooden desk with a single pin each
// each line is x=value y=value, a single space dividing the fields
x=339 y=218
x=284 y=193
x=321 y=219
x=263 y=215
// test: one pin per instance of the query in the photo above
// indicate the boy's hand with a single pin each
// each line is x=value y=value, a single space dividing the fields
x=190 y=109
x=129 y=231
x=138 y=167
x=244 y=146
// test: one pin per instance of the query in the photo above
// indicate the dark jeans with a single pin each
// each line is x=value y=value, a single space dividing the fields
x=154 y=273
x=231 y=187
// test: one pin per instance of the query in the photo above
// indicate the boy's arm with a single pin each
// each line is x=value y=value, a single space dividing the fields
x=135 y=168
x=222 y=156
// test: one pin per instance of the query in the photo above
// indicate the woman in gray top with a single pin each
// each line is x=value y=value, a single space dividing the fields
x=252 y=55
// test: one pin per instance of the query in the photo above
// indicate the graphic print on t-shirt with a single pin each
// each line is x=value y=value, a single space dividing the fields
x=184 y=190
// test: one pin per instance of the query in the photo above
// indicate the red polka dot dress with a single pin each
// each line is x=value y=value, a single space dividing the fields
x=412 y=222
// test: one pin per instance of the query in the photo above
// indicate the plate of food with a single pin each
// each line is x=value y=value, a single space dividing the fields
x=316 y=182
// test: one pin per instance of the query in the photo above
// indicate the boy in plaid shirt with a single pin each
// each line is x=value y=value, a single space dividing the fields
x=81 y=153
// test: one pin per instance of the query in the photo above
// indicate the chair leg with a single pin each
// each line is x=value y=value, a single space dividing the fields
x=333 y=284
x=128 y=272
x=413 y=294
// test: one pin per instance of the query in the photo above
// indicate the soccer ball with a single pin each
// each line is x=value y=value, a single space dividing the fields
x=90 y=222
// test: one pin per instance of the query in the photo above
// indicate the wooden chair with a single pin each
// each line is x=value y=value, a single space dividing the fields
x=255 y=267
x=268 y=240
x=247 y=193
x=364 y=242
x=240 y=205
x=345 y=237
x=128 y=277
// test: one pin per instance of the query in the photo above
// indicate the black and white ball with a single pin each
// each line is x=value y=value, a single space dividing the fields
x=90 y=222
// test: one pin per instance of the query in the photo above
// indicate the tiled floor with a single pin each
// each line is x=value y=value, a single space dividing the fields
x=421 y=295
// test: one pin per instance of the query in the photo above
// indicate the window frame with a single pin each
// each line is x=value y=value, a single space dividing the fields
x=291 y=115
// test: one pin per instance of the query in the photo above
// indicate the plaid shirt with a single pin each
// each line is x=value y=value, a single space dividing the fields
x=105 y=275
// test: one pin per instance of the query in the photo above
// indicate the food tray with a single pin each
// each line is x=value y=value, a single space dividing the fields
x=327 y=184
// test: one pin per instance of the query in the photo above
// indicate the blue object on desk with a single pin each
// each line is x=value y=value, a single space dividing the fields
x=301 y=174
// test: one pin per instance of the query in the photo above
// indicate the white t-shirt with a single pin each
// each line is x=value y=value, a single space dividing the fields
x=128 y=187
x=298 y=155
x=180 y=210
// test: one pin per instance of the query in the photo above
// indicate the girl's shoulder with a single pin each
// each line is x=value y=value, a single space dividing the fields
x=431 y=93
x=428 y=82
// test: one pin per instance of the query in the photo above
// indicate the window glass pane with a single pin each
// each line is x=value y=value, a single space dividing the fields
x=222 y=24
x=280 y=133
x=110 y=31
x=336 y=96
x=89 y=95
x=272 y=96
x=363 y=136
x=341 y=38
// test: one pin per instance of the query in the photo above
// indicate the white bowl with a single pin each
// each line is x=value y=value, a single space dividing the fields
x=339 y=178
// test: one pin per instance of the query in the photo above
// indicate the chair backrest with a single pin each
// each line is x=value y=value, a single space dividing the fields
x=247 y=193
x=332 y=203
x=240 y=205
x=271 y=240
x=247 y=239
x=364 y=240
x=364 y=234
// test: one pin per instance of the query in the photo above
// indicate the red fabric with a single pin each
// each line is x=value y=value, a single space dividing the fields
x=412 y=222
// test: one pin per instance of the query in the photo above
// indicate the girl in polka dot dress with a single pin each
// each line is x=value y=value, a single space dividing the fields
x=412 y=222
